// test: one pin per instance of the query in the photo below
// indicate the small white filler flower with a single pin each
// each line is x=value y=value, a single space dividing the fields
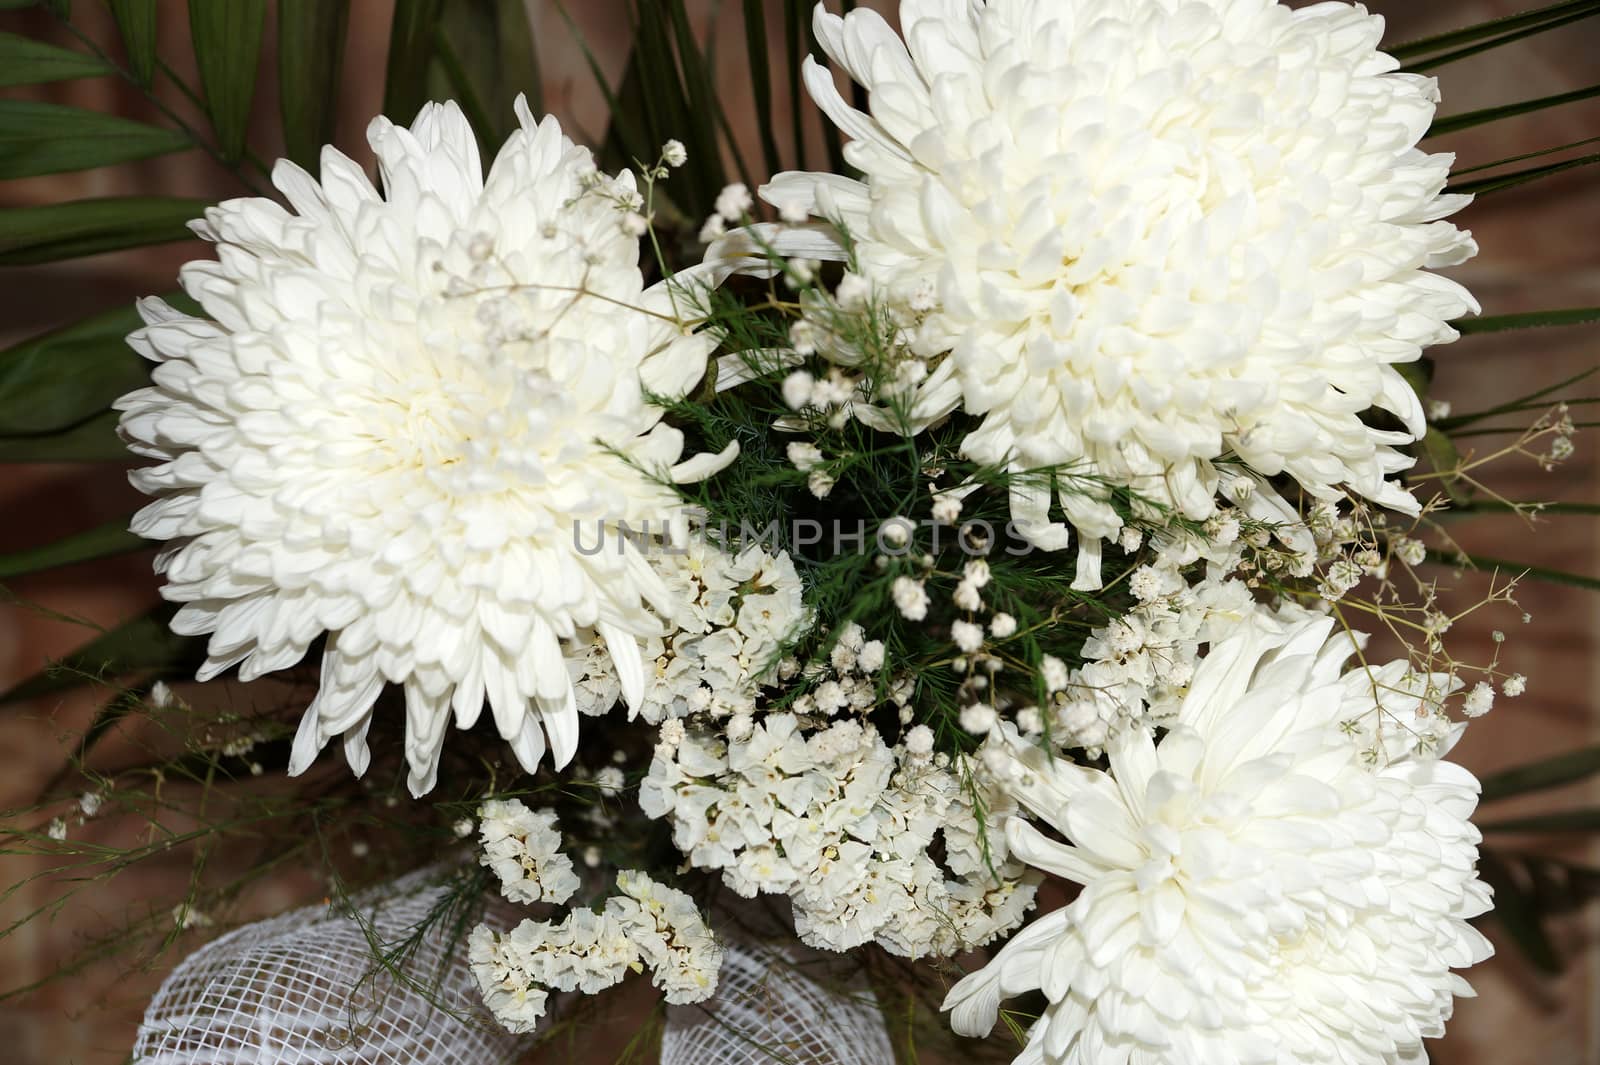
x=405 y=424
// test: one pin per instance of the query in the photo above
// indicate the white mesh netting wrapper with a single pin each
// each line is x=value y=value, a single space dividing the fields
x=768 y=1010
x=305 y=989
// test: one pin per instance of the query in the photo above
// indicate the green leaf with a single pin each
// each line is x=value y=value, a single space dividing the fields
x=669 y=112
x=144 y=645
x=88 y=227
x=705 y=103
x=487 y=53
x=1444 y=457
x=1518 y=404
x=1521 y=177
x=652 y=105
x=465 y=93
x=53 y=382
x=1535 y=21
x=760 y=58
x=1501 y=323
x=136 y=21
x=1434 y=62
x=1537 y=573
x=1508 y=160
x=311 y=38
x=1518 y=913
x=1552 y=772
x=411 y=44
x=1582 y=820
x=623 y=139
x=38 y=138
x=830 y=132
x=103 y=541
x=94 y=439
x=24 y=61
x=1555 y=886
x=1500 y=506
x=796 y=36
x=227 y=49
x=1455 y=123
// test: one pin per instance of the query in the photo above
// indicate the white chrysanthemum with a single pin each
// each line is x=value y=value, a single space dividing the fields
x=1157 y=232
x=405 y=426
x=1253 y=894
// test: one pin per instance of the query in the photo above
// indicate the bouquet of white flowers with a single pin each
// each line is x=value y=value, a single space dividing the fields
x=938 y=579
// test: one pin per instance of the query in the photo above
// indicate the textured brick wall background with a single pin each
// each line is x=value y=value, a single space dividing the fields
x=1539 y=251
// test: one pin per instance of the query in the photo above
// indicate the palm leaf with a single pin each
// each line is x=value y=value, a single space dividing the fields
x=1486 y=185
x=53 y=382
x=144 y=645
x=69 y=230
x=136 y=22
x=102 y=541
x=1500 y=323
x=1517 y=405
x=227 y=49
x=94 y=439
x=40 y=138
x=1546 y=574
x=1455 y=123
x=411 y=45
x=1492 y=33
x=485 y=49
x=1582 y=820
x=1517 y=913
x=1562 y=769
x=705 y=103
x=24 y=61
x=1508 y=160
x=759 y=57
x=311 y=39
x=796 y=39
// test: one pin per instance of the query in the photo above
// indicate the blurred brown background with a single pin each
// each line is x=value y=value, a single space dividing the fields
x=1538 y=252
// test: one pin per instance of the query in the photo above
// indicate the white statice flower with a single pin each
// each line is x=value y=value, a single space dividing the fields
x=732 y=615
x=1252 y=890
x=401 y=414
x=523 y=847
x=504 y=980
x=843 y=825
x=516 y=970
x=671 y=935
x=1157 y=233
